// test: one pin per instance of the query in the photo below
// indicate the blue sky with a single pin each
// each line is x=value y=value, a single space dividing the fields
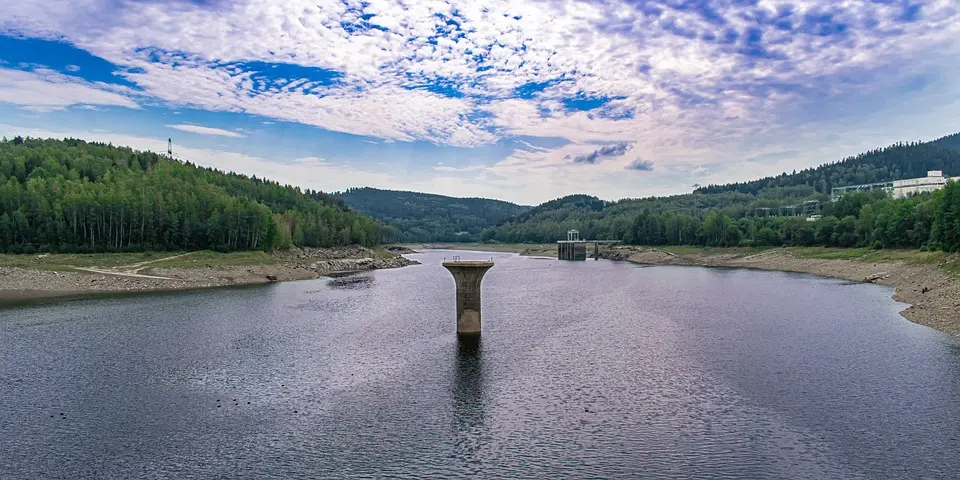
x=522 y=100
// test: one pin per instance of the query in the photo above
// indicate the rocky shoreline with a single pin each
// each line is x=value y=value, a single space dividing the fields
x=933 y=293
x=23 y=284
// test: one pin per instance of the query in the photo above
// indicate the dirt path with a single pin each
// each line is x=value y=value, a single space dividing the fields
x=22 y=282
x=121 y=273
x=137 y=267
x=133 y=270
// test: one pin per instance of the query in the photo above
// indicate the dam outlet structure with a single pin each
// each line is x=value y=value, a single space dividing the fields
x=468 y=275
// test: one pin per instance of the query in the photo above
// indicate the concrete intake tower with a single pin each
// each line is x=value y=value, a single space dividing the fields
x=468 y=275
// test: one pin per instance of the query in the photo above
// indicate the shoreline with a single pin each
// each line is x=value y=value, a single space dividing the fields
x=34 y=281
x=927 y=282
x=931 y=293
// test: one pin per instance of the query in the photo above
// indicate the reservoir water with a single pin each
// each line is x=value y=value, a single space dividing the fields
x=592 y=369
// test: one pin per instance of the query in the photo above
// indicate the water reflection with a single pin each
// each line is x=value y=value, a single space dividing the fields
x=468 y=402
x=352 y=282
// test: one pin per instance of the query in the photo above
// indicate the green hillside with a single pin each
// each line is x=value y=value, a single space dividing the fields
x=762 y=212
x=73 y=196
x=950 y=141
x=423 y=217
x=903 y=160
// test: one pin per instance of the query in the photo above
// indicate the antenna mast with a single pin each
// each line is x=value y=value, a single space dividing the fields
x=170 y=147
x=696 y=186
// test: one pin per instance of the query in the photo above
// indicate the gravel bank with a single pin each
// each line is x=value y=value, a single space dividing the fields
x=932 y=292
x=18 y=284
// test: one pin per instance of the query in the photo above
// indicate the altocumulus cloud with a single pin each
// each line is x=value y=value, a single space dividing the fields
x=684 y=79
x=640 y=164
x=205 y=130
x=614 y=150
x=611 y=71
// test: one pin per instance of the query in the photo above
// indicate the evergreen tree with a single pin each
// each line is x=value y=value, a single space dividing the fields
x=946 y=228
x=74 y=196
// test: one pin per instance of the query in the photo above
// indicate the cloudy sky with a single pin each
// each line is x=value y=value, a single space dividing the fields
x=525 y=100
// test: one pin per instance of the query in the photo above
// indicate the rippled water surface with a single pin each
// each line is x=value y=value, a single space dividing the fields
x=588 y=369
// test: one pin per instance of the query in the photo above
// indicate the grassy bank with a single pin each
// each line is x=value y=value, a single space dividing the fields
x=25 y=277
x=199 y=259
x=947 y=261
x=69 y=262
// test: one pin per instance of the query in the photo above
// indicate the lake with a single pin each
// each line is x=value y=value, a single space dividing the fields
x=593 y=369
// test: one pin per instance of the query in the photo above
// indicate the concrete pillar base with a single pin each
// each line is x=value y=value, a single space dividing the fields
x=468 y=276
x=469 y=323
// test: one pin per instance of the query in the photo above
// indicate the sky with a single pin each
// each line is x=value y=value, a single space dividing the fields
x=523 y=100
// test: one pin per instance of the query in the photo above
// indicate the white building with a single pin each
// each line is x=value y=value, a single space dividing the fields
x=912 y=186
x=901 y=188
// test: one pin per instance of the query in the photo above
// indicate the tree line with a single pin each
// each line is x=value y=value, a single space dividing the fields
x=864 y=219
x=901 y=160
x=762 y=212
x=861 y=219
x=421 y=217
x=75 y=196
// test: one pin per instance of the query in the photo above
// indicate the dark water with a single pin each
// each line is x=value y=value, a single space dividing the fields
x=589 y=369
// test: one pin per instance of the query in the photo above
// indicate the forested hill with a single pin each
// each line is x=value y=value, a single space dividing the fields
x=553 y=207
x=772 y=211
x=73 y=196
x=950 y=141
x=902 y=160
x=423 y=217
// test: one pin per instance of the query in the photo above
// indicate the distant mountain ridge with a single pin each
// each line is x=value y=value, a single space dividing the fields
x=426 y=217
x=73 y=196
x=898 y=161
x=751 y=212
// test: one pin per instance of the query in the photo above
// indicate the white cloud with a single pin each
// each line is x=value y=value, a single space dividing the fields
x=668 y=77
x=532 y=146
x=205 y=130
x=387 y=112
x=45 y=90
x=72 y=68
x=524 y=176
x=306 y=172
x=673 y=89
x=440 y=167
